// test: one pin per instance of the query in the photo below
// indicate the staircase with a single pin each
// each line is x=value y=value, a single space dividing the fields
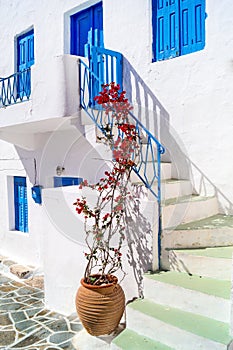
x=189 y=306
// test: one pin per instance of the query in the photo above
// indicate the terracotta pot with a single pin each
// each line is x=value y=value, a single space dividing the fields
x=100 y=308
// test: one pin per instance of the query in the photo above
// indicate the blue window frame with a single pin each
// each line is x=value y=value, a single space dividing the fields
x=25 y=51
x=178 y=27
x=66 y=181
x=25 y=59
x=21 y=204
x=81 y=23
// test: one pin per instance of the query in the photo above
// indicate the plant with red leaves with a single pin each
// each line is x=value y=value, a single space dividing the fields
x=104 y=223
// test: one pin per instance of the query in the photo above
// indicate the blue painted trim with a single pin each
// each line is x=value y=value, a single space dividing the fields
x=20 y=204
x=178 y=28
x=66 y=181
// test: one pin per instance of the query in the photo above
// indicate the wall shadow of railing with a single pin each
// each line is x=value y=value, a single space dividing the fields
x=139 y=236
x=150 y=111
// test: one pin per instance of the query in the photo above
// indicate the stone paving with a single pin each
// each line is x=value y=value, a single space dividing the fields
x=25 y=323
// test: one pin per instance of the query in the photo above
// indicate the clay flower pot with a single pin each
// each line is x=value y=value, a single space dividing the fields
x=100 y=307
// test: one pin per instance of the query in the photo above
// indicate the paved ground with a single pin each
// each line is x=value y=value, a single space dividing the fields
x=26 y=324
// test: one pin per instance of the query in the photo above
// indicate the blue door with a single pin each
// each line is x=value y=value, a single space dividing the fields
x=25 y=59
x=21 y=204
x=81 y=23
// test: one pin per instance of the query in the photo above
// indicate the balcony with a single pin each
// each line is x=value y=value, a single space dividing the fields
x=40 y=93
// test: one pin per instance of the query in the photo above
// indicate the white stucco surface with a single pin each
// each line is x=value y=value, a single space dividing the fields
x=192 y=92
x=186 y=102
x=64 y=246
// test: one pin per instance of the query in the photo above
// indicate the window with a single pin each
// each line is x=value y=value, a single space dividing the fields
x=25 y=59
x=66 y=181
x=21 y=204
x=25 y=51
x=178 y=27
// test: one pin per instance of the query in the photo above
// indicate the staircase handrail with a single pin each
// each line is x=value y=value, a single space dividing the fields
x=147 y=155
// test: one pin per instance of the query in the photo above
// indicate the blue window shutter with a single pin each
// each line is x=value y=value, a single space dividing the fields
x=192 y=25
x=166 y=28
x=198 y=25
x=173 y=29
x=21 y=204
x=66 y=181
x=25 y=51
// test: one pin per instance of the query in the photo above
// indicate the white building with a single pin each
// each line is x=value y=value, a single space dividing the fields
x=177 y=64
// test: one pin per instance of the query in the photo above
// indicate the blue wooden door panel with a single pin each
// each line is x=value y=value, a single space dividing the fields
x=20 y=203
x=98 y=22
x=166 y=24
x=192 y=22
x=81 y=23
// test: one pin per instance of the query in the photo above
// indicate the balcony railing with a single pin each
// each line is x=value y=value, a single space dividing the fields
x=15 y=88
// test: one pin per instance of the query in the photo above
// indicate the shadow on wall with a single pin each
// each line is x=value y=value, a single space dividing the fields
x=151 y=113
x=139 y=236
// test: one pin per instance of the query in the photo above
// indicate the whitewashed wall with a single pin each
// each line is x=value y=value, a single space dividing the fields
x=190 y=95
x=193 y=93
x=64 y=246
x=19 y=246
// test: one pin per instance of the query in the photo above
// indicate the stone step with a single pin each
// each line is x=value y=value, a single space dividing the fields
x=176 y=328
x=213 y=231
x=187 y=208
x=206 y=262
x=130 y=340
x=173 y=188
x=170 y=188
x=148 y=169
x=200 y=295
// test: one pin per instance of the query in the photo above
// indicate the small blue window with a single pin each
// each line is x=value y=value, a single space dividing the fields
x=66 y=181
x=178 y=27
x=25 y=59
x=25 y=51
x=21 y=204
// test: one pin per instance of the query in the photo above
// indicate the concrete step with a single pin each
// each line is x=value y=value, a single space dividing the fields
x=204 y=296
x=173 y=188
x=176 y=328
x=170 y=188
x=130 y=340
x=206 y=262
x=149 y=168
x=213 y=231
x=187 y=208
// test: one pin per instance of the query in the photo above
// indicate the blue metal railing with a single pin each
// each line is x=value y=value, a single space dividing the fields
x=15 y=88
x=148 y=166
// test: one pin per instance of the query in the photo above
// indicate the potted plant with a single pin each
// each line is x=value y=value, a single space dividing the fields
x=100 y=300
